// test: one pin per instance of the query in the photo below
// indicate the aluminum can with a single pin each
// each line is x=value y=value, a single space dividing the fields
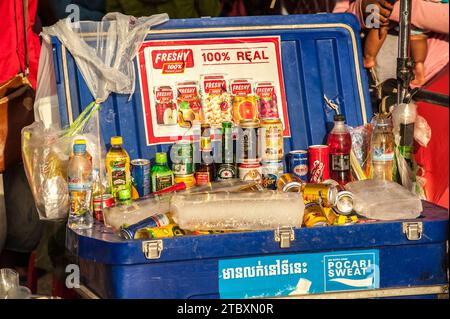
x=205 y=137
x=140 y=173
x=170 y=230
x=319 y=163
x=314 y=216
x=248 y=141
x=226 y=171
x=344 y=203
x=182 y=158
x=157 y=220
x=250 y=171
x=324 y=194
x=271 y=171
x=297 y=162
x=271 y=140
x=289 y=183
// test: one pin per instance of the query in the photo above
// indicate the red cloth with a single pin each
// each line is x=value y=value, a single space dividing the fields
x=434 y=157
x=12 y=53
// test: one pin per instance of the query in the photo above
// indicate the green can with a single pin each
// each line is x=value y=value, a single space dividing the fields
x=182 y=158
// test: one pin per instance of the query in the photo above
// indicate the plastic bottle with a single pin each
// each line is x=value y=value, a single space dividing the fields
x=118 y=167
x=382 y=148
x=340 y=145
x=80 y=189
x=162 y=175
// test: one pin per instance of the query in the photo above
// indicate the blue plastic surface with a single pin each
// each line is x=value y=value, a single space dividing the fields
x=322 y=59
x=321 y=54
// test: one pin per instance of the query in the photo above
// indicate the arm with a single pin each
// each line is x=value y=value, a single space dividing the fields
x=426 y=15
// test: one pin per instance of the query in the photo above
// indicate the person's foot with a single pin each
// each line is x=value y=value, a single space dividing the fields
x=419 y=74
x=369 y=62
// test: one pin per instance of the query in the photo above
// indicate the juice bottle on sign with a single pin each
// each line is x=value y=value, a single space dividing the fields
x=162 y=175
x=340 y=145
x=382 y=148
x=80 y=189
x=118 y=167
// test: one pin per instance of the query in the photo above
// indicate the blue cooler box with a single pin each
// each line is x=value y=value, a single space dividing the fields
x=321 y=55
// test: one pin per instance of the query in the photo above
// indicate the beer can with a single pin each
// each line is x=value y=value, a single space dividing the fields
x=271 y=140
x=271 y=171
x=344 y=203
x=189 y=180
x=289 y=183
x=324 y=194
x=319 y=166
x=204 y=173
x=297 y=162
x=226 y=171
x=158 y=220
x=314 y=216
x=346 y=220
x=140 y=174
x=248 y=141
x=182 y=158
x=250 y=171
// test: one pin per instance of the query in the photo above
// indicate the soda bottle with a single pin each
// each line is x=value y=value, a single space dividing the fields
x=118 y=167
x=162 y=175
x=340 y=145
x=382 y=148
x=80 y=189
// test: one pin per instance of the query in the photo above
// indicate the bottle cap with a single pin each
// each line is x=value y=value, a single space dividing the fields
x=116 y=140
x=124 y=194
x=79 y=141
x=161 y=158
x=339 y=117
x=79 y=148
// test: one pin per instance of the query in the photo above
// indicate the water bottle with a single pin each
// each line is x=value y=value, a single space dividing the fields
x=382 y=148
x=80 y=189
x=340 y=145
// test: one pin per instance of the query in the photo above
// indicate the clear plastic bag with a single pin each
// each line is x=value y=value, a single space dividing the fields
x=237 y=211
x=104 y=50
x=384 y=200
x=46 y=152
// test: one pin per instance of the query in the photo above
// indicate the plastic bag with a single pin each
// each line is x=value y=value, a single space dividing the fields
x=237 y=211
x=422 y=131
x=360 y=155
x=104 y=50
x=45 y=153
x=384 y=200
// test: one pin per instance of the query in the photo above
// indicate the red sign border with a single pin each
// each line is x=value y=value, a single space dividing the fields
x=151 y=138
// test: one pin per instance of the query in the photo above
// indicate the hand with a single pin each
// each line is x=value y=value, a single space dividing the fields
x=385 y=8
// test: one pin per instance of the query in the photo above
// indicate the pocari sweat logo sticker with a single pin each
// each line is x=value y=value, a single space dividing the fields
x=298 y=274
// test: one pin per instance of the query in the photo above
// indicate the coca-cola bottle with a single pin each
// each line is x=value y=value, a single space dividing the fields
x=340 y=144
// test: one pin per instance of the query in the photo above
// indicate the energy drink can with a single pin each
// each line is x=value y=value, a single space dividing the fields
x=158 y=220
x=289 y=183
x=140 y=174
x=298 y=164
x=324 y=194
x=314 y=216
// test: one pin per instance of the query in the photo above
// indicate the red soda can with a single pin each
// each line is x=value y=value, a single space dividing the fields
x=319 y=167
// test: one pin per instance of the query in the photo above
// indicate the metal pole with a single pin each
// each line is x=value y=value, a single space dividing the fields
x=404 y=64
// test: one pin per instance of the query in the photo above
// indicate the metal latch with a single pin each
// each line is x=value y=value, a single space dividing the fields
x=152 y=248
x=413 y=230
x=284 y=235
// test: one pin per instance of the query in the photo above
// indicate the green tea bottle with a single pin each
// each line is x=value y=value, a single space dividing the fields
x=162 y=175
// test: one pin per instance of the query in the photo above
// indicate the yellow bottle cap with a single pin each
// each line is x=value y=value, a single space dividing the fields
x=116 y=140
x=79 y=141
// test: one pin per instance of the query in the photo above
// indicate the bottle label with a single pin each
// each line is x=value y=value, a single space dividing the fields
x=118 y=173
x=163 y=181
x=226 y=171
x=340 y=162
x=380 y=154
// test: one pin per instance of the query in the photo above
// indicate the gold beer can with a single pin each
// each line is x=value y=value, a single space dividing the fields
x=272 y=140
x=325 y=194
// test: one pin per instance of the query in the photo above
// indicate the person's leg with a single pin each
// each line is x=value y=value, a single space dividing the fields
x=373 y=43
x=24 y=228
x=419 y=50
